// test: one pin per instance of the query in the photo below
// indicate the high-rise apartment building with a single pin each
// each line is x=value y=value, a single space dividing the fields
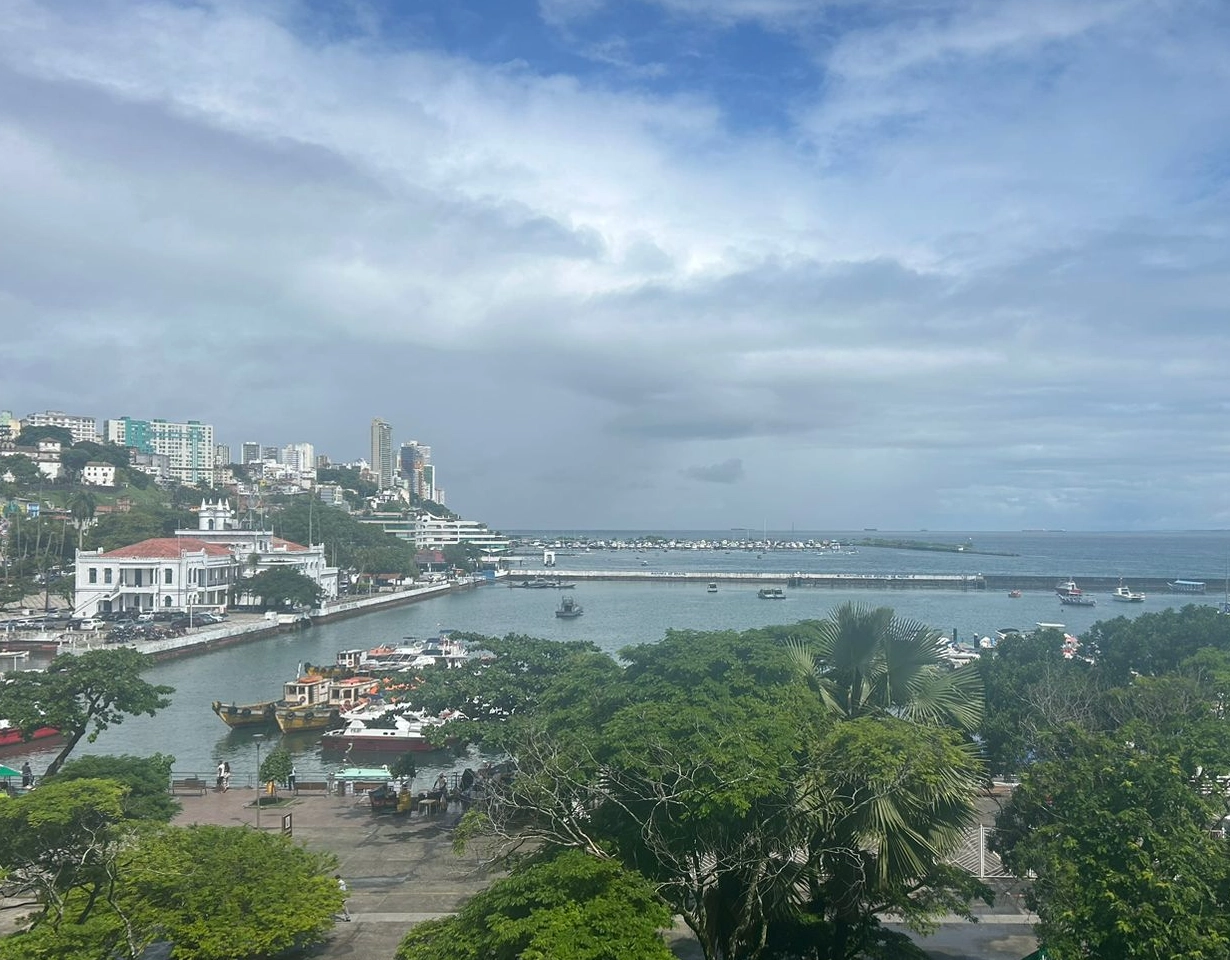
x=270 y=453
x=382 y=452
x=188 y=447
x=82 y=428
x=222 y=454
x=414 y=465
x=250 y=452
x=299 y=456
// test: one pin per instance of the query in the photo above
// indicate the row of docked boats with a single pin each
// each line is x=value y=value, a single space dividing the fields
x=351 y=695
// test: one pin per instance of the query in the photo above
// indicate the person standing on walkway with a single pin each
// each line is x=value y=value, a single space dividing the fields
x=290 y=780
x=221 y=775
x=27 y=775
x=341 y=885
x=226 y=776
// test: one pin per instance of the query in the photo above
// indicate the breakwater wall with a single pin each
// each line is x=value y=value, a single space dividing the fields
x=872 y=581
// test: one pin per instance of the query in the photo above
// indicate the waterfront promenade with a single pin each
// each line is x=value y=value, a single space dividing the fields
x=401 y=870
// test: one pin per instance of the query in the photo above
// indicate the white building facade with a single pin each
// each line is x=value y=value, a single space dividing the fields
x=82 y=428
x=165 y=573
x=97 y=474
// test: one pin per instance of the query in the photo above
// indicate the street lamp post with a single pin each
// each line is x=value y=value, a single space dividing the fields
x=258 y=737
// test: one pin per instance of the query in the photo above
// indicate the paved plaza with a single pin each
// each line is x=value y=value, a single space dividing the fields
x=401 y=869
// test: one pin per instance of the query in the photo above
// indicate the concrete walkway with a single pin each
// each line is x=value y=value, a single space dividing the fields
x=401 y=870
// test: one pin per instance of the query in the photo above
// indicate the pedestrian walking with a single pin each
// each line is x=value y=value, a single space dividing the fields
x=341 y=885
x=221 y=774
x=290 y=780
x=27 y=775
x=226 y=776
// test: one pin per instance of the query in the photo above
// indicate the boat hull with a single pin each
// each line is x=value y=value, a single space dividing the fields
x=245 y=714
x=373 y=742
x=310 y=718
x=11 y=737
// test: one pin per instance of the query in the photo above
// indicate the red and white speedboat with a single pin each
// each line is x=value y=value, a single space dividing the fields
x=1067 y=588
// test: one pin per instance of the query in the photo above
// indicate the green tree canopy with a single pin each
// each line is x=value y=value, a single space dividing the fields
x=1120 y=841
x=24 y=470
x=30 y=436
x=762 y=816
x=867 y=660
x=360 y=546
x=82 y=695
x=217 y=893
x=59 y=840
x=144 y=779
x=568 y=907
x=276 y=766
x=281 y=587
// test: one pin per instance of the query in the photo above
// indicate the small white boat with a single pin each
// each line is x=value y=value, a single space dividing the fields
x=1124 y=595
x=712 y=588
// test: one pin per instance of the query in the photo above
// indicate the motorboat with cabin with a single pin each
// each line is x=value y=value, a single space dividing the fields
x=1124 y=595
x=569 y=609
x=771 y=593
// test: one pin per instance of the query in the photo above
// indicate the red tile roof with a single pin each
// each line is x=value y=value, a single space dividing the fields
x=168 y=548
x=288 y=545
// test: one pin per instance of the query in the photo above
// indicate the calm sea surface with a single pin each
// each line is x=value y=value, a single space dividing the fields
x=620 y=614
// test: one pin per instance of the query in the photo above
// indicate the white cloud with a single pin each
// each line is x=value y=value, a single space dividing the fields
x=984 y=268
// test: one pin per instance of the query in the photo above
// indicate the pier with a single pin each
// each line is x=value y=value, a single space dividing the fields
x=874 y=581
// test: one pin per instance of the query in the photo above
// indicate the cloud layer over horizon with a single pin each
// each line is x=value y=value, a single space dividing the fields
x=670 y=264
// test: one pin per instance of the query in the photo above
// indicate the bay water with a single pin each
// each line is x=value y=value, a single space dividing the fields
x=619 y=614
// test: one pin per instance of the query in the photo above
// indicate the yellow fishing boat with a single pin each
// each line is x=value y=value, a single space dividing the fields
x=245 y=714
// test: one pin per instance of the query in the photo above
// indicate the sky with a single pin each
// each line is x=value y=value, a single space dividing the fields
x=671 y=264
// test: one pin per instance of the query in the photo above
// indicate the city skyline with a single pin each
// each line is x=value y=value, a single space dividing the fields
x=673 y=265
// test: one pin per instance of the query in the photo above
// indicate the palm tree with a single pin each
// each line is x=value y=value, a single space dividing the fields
x=891 y=788
x=865 y=660
x=82 y=507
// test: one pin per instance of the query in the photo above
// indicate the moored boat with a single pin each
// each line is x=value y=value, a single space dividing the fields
x=397 y=733
x=712 y=588
x=1124 y=595
x=245 y=714
x=569 y=609
x=1067 y=588
x=1014 y=594
x=1077 y=600
x=10 y=736
x=305 y=705
x=771 y=593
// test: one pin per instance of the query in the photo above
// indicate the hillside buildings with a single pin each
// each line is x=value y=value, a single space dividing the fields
x=188 y=447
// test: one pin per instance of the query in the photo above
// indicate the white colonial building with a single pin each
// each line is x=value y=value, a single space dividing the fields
x=259 y=550
x=96 y=474
x=195 y=569
x=165 y=573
